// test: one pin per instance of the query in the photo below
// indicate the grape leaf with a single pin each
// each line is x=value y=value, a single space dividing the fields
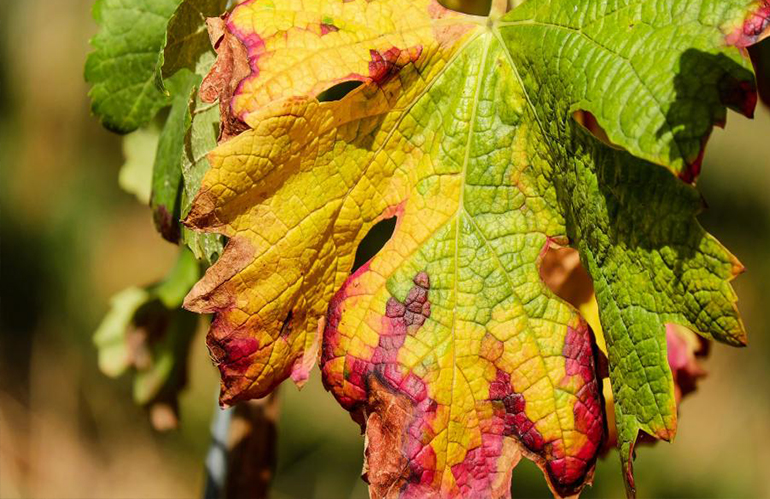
x=560 y=268
x=200 y=139
x=147 y=331
x=447 y=345
x=121 y=69
x=167 y=168
x=186 y=36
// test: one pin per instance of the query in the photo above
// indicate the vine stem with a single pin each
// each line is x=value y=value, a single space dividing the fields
x=498 y=8
x=241 y=458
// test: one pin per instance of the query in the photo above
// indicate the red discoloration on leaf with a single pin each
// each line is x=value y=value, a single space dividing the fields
x=400 y=319
x=255 y=46
x=566 y=473
x=232 y=354
x=480 y=470
x=328 y=28
x=410 y=470
x=740 y=97
x=760 y=57
x=515 y=419
x=233 y=344
x=692 y=170
x=755 y=27
x=684 y=350
x=476 y=475
x=589 y=418
x=385 y=65
x=166 y=224
x=590 y=123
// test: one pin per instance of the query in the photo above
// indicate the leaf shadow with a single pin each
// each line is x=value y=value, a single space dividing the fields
x=705 y=86
x=639 y=224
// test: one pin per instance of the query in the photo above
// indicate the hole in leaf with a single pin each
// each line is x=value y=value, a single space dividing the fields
x=286 y=326
x=338 y=91
x=589 y=122
x=561 y=271
x=373 y=241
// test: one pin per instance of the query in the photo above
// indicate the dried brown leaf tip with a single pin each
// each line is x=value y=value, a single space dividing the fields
x=230 y=68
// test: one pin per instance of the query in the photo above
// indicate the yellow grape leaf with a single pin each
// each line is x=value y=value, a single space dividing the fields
x=447 y=345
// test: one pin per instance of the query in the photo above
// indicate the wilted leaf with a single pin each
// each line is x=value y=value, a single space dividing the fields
x=685 y=350
x=146 y=330
x=447 y=344
x=229 y=69
x=121 y=69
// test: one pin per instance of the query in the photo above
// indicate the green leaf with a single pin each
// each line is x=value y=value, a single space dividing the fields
x=657 y=75
x=187 y=37
x=657 y=79
x=121 y=69
x=652 y=264
x=167 y=168
x=166 y=374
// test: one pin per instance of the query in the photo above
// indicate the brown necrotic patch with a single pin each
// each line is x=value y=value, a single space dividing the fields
x=393 y=405
x=230 y=68
x=384 y=469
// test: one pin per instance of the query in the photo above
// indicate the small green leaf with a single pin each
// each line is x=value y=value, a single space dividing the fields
x=121 y=69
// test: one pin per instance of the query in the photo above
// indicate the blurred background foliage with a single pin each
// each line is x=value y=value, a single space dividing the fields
x=71 y=238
